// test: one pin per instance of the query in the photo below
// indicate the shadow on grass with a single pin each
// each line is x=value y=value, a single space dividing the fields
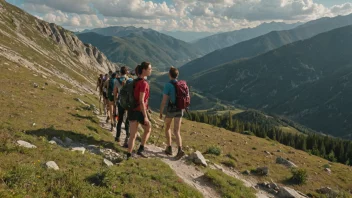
x=49 y=133
x=90 y=118
x=92 y=129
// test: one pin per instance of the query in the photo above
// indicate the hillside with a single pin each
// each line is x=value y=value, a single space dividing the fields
x=307 y=81
x=226 y=39
x=136 y=44
x=264 y=43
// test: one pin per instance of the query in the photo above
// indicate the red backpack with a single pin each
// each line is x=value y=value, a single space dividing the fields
x=183 y=99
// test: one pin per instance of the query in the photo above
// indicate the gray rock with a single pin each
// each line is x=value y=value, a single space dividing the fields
x=198 y=158
x=111 y=155
x=80 y=149
x=247 y=172
x=262 y=170
x=57 y=140
x=52 y=165
x=267 y=152
x=288 y=163
x=217 y=166
x=35 y=85
x=108 y=162
x=286 y=192
x=327 y=191
x=25 y=144
x=52 y=142
x=328 y=170
x=68 y=141
x=279 y=151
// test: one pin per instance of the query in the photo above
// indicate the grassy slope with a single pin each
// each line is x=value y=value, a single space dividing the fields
x=56 y=113
x=247 y=152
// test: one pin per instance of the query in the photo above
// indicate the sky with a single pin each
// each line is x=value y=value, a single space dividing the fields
x=180 y=15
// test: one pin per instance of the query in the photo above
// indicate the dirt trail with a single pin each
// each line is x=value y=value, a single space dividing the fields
x=188 y=172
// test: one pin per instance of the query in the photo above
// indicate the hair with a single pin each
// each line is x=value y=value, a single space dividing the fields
x=143 y=66
x=173 y=72
x=123 y=70
x=100 y=75
x=136 y=70
x=106 y=74
x=113 y=75
x=110 y=72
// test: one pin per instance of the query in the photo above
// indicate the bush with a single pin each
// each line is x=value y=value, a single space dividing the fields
x=299 y=176
x=214 y=150
x=229 y=163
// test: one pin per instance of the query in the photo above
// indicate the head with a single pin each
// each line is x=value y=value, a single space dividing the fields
x=113 y=75
x=145 y=69
x=110 y=73
x=101 y=76
x=123 y=70
x=173 y=73
x=106 y=76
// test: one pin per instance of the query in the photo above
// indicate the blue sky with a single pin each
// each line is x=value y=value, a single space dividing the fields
x=186 y=15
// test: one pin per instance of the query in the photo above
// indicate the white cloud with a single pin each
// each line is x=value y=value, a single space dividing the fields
x=187 y=15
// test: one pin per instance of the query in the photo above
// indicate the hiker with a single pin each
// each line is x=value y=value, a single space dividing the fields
x=122 y=81
x=175 y=109
x=111 y=99
x=105 y=95
x=139 y=115
x=105 y=87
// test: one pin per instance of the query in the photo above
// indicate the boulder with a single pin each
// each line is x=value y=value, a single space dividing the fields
x=327 y=191
x=57 y=140
x=35 y=85
x=328 y=170
x=286 y=192
x=25 y=144
x=68 y=141
x=52 y=165
x=80 y=149
x=262 y=170
x=108 y=162
x=288 y=163
x=52 y=142
x=198 y=158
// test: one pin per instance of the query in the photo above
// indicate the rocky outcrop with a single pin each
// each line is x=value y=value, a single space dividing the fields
x=86 y=53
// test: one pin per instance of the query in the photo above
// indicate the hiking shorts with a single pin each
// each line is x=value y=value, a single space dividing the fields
x=135 y=116
x=174 y=114
x=111 y=98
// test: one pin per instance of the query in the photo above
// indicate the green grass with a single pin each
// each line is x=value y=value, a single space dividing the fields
x=228 y=186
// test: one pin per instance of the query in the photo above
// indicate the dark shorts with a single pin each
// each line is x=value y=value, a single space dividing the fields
x=105 y=95
x=135 y=116
x=111 y=98
x=174 y=114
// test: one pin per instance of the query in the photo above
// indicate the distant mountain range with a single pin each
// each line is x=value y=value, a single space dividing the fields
x=308 y=81
x=131 y=46
x=264 y=43
x=226 y=39
x=188 y=36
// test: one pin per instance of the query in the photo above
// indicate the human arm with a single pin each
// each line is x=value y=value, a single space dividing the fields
x=143 y=107
x=162 y=105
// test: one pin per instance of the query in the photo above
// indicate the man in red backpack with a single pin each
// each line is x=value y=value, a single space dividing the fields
x=176 y=93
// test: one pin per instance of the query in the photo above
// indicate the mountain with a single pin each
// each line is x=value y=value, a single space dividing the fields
x=188 y=36
x=226 y=39
x=307 y=81
x=264 y=43
x=132 y=45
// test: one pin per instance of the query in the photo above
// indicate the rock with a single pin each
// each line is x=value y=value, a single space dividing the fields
x=33 y=124
x=25 y=144
x=327 y=191
x=46 y=84
x=111 y=155
x=246 y=172
x=108 y=162
x=286 y=192
x=35 y=85
x=328 y=170
x=52 y=142
x=262 y=170
x=288 y=163
x=198 y=158
x=279 y=151
x=267 y=152
x=58 y=141
x=81 y=149
x=52 y=165
x=217 y=166
x=68 y=141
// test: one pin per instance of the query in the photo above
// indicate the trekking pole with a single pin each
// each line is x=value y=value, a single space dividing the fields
x=162 y=128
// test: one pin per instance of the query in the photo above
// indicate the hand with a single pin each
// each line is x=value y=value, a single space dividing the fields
x=146 y=121
x=161 y=116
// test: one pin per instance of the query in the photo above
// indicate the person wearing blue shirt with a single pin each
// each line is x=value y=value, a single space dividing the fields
x=169 y=96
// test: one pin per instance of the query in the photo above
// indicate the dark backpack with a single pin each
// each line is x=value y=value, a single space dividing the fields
x=126 y=95
x=111 y=86
x=183 y=99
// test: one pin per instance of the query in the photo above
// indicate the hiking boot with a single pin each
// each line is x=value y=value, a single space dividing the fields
x=125 y=144
x=112 y=127
x=180 y=154
x=107 y=119
x=117 y=139
x=168 y=150
x=142 y=154
x=128 y=156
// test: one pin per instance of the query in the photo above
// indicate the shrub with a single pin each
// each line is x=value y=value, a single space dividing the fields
x=299 y=176
x=214 y=150
x=229 y=163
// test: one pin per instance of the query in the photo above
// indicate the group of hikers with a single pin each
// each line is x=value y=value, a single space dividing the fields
x=122 y=94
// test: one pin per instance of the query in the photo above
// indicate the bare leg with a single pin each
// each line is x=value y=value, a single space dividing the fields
x=177 y=126
x=168 y=131
x=133 y=135
x=147 y=129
